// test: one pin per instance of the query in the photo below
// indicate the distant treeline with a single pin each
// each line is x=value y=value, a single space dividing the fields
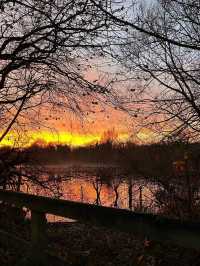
x=155 y=158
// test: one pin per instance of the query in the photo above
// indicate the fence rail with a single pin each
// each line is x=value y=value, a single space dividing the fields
x=148 y=225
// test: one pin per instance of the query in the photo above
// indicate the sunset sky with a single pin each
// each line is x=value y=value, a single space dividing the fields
x=49 y=125
x=81 y=137
x=64 y=126
x=79 y=130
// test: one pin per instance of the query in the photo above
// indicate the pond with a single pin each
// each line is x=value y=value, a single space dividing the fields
x=100 y=185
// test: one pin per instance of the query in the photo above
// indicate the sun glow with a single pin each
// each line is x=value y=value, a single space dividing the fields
x=45 y=138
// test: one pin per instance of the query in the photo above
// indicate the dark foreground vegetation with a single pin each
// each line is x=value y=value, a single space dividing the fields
x=85 y=245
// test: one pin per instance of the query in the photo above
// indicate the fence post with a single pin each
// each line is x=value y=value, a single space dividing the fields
x=38 y=237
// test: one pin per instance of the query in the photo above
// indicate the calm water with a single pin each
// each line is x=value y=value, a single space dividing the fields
x=97 y=185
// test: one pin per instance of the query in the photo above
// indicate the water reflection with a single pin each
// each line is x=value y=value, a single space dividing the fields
x=102 y=186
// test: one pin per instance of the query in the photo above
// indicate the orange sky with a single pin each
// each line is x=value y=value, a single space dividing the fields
x=59 y=127
x=44 y=138
x=74 y=139
x=63 y=126
x=67 y=128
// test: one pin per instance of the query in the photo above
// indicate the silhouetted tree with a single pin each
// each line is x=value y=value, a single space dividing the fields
x=45 y=50
x=161 y=54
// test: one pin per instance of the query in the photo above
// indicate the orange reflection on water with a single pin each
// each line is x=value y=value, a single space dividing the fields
x=82 y=189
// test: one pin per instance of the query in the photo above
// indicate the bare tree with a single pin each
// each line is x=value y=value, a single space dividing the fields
x=161 y=51
x=97 y=185
x=45 y=49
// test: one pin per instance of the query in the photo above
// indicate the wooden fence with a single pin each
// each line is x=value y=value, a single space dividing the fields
x=148 y=225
